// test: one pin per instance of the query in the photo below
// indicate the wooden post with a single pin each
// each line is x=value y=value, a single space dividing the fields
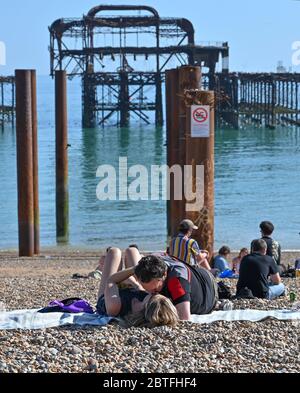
x=200 y=151
x=24 y=162
x=35 y=165
x=189 y=78
x=62 y=191
x=177 y=81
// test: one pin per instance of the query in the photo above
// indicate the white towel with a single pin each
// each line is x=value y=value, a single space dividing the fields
x=31 y=319
x=246 y=315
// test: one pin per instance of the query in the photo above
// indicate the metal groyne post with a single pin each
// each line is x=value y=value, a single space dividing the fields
x=61 y=143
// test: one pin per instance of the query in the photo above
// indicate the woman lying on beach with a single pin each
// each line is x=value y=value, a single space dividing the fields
x=132 y=303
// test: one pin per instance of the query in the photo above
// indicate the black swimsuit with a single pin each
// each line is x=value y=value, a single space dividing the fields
x=126 y=296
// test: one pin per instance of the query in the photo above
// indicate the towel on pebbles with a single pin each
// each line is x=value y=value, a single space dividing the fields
x=247 y=315
x=31 y=319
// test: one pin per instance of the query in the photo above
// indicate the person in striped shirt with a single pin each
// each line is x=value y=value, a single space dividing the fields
x=187 y=249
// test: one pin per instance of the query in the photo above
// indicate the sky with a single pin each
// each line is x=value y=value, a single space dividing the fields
x=259 y=32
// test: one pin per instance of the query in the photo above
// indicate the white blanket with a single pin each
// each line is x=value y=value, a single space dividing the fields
x=31 y=319
x=247 y=315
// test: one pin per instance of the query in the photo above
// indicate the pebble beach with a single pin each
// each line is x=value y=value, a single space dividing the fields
x=269 y=346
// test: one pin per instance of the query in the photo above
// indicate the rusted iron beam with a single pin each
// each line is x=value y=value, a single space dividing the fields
x=61 y=143
x=35 y=164
x=24 y=162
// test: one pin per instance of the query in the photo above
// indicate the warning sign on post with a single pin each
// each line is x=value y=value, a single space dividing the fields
x=200 y=121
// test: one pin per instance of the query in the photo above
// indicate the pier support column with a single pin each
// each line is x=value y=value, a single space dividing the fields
x=24 y=162
x=124 y=99
x=177 y=81
x=200 y=151
x=88 y=102
x=35 y=164
x=61 y=142
x=172 y=117
x=158 y=101
x=273 y=104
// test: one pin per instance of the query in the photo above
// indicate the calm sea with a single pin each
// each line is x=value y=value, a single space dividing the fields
x=257 y=178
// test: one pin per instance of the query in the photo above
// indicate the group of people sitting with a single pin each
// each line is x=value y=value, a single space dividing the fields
x=163 y=288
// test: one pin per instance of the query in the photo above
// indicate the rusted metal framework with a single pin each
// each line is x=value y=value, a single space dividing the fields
x=7 y=99
x=121 y=52
x=267 y=99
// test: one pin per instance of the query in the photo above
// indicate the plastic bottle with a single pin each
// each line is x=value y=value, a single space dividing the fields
x=292 y=297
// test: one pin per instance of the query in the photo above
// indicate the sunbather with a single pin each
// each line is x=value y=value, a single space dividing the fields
x=136 y=306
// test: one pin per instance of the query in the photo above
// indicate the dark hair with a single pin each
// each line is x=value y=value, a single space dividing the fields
x=267 y=227
x=150 y=267
x=182 y=230
x=244 y=249
x=108 y=248
x=133 y=246
x=224 y=250
x=259 y=245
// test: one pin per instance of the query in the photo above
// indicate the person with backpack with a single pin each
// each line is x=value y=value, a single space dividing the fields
x=273 y=247
x=132 y=303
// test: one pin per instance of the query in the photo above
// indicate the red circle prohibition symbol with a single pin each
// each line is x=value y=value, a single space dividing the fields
x=200 y=115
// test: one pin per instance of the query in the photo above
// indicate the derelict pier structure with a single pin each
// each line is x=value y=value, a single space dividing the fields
x=121 y=54
x=7 y=99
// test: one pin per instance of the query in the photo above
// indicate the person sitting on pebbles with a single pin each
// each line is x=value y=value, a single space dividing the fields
x=187 y=249
x=220 y=261
x=132 y=303
x=236 y=262
x=255 y=271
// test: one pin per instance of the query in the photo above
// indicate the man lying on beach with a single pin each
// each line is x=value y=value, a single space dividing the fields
x=191 y=289
x=132 y=303
x=255 y=270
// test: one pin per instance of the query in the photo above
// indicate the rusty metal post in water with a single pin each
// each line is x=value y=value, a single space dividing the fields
x=200 y=152
x=61 y=143
x=35 y=165
x=24 y=162
x=172 y=144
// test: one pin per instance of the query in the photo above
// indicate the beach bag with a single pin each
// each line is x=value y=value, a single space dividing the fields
x=289 y=273
x=70 y=305
x=224 y=291
x=227 y=274
x=245 y=293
